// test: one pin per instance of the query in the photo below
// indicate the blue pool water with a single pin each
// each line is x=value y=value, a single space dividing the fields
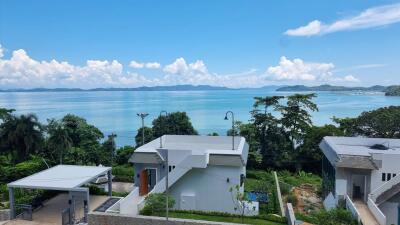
x=116 y=111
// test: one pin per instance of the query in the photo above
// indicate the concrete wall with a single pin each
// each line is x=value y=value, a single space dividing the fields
x=4 y=214
x=97 y=218
x=291 y=218
x=390 y=164
x=390 y=209
x=346 y=177
x=209 y=187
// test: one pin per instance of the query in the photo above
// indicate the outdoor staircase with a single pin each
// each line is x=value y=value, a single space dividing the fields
x=190 y=162
x=386 y=190
x=380 y=195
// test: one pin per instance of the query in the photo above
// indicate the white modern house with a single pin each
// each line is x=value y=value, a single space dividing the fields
x=201 y=170
x=363 y=173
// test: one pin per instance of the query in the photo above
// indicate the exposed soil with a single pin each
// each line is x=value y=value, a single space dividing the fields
x=307 y=199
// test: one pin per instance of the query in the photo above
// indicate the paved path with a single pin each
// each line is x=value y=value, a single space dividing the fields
x=122 y=186
x=50 y=214
x=366 y=216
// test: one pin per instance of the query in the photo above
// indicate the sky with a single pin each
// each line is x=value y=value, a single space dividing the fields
x=232 y=43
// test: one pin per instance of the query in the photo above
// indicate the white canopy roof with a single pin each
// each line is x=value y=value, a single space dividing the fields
x=61 y=177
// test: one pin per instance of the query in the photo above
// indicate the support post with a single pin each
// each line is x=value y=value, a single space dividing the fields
x=12 y=202
x=109 y=178
x=88 y=200
x=166 y=185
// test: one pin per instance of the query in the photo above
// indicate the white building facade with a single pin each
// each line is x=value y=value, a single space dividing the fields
x=363 y=172
x=201 y=171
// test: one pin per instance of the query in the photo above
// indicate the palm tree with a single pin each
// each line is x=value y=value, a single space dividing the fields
x=59 y=140
x=21 y=136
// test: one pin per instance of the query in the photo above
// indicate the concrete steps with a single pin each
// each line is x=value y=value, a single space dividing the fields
x=367 y=218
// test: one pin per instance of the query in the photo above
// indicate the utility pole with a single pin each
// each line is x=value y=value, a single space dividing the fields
x=112 y=137
x=161 y=124
x=233 y=127
x=142 y=115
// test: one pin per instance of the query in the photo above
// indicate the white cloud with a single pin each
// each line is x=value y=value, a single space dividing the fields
x=1 y=51
x=350 y=78
x=153 y=65
x=22 y=71
x=372 y=17
x=136 y=65
x=312 y=28
x=298 y=70
x=148 y=65
x=180 y=67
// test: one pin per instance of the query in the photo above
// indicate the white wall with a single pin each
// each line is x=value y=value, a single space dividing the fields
x=390 y=164
x=390 y=210
x=209 y=186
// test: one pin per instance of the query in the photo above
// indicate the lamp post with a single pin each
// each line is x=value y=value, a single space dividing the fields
x=166 y=167
x=142 y=115
x=233 y=127
x=161 y=124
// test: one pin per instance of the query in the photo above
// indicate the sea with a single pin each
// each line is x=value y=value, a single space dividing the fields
x=116 y=111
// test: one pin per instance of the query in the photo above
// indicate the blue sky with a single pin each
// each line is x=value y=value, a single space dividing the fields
x=89 y=44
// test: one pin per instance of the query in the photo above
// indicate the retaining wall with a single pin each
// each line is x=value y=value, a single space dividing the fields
x=96 y=218
x=4 y=214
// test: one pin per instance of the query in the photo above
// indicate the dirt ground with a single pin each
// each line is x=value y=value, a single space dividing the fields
x=307 y=199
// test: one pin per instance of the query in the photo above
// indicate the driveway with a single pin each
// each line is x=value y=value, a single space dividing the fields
x=50 y=214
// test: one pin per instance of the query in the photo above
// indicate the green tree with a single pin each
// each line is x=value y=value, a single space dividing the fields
x=271 y=137
x=381 y=123
x=85 y=137
x=109 y=150
x=296 y=118
x=21 y=136
x=173 y=123
x=5 y=114
x=248 y=131
x=123 y=154
x=310 y=155
x=148 y=136
x=58 y=141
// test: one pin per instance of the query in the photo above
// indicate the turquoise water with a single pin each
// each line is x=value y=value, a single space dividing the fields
x=116 y=111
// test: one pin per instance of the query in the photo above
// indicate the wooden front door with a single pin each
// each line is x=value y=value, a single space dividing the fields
x=144 y=183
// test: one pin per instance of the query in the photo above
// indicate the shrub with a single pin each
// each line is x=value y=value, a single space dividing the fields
x=334 y=217
x=123 y=173
x=292 y=198
x=24 y=169
x=155 y=204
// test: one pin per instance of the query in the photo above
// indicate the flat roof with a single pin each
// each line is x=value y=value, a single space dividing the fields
x=61 y=177
x=219 y=148
x=210 y=144
x=361 y=146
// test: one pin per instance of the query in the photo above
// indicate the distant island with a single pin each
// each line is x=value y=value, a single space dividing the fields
x=393 y=90
x=389 y=91
x=155 y=88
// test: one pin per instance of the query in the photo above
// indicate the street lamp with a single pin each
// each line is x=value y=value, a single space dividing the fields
x=142 y=115
x=233 y=127
x=166 y=114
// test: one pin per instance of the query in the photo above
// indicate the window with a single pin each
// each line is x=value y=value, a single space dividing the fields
x=383 y=176
x=169 y=168
x=394 y=175
x=389 y=176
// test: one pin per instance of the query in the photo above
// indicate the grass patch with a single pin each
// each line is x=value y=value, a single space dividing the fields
x=220 y=218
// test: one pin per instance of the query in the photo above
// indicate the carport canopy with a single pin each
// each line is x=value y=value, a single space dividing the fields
x=61 y=178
